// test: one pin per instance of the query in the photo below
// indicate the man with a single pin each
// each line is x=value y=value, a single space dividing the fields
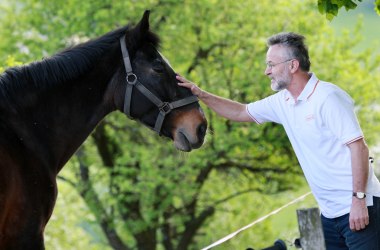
x=320 y=122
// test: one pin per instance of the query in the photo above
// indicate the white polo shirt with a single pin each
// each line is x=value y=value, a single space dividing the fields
x=320 y=124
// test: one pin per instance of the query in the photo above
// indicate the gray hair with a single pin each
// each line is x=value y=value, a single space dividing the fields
x=296 y=45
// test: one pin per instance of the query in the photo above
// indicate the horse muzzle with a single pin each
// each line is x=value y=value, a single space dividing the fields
x=189 y=130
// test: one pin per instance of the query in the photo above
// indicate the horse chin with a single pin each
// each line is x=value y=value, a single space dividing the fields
x=181 y=142
x=188 y=129
x=186 y=143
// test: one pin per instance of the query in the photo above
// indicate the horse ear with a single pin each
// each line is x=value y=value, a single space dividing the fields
x=143 y=25
x=136 y=36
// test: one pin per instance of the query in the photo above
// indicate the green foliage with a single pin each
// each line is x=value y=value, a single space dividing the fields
x=10 y=61
x=134 y=187
x=331 y=8
x=66 y=231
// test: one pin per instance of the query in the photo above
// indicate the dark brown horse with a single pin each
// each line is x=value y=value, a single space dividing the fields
x=48 y=108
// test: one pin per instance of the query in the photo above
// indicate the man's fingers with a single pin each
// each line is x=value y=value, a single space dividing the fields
x=185 y=84
x=357 y=225
x=352 y=226
x=182 y=79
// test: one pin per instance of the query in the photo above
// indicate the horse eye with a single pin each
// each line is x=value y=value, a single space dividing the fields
x=158 y=66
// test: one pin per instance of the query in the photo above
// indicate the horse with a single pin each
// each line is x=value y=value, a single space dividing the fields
x=49 y=107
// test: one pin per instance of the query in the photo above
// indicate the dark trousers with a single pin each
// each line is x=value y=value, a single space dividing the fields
x=338 y=235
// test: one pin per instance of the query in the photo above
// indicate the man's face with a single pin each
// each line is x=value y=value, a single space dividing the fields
x=278 y=67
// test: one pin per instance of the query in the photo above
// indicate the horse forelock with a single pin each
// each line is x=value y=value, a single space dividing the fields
x=153 y=39
x=136 y=40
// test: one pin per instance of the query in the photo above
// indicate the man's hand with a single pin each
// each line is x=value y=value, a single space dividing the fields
x=183 y=82
x=359 y=218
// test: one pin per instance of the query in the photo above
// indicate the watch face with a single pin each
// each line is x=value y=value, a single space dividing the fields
x=360 y=195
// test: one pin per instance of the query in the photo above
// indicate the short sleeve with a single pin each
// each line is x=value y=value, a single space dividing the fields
x=264 y=110
x=339 y=116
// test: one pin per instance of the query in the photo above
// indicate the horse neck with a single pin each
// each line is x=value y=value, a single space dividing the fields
x=55 y=122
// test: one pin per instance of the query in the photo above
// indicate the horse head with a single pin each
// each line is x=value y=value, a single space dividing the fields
x=152 y=95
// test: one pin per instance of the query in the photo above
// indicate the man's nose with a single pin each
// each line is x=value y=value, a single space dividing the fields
x=267 y=71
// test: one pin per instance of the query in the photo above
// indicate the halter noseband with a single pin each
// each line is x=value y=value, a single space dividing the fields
x=164 y=107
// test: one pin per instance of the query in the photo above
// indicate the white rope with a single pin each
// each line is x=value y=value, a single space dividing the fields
x=255 y=222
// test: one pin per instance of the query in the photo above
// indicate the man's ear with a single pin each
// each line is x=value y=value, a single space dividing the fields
x=294 y=65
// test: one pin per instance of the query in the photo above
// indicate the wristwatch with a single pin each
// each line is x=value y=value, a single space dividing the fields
x=359 y=195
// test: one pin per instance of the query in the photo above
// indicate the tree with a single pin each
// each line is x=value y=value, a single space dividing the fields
x=141 y=193
x=332 y=7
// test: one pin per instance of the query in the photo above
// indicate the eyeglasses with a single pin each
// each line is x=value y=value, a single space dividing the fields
x=271 y=65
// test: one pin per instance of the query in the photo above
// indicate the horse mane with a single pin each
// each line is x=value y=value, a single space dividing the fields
x=64 y=66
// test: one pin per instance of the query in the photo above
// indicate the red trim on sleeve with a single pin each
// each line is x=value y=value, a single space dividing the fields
x=253 y=118
x=353 y=140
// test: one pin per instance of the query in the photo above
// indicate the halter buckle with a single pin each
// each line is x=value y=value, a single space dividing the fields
x=165 y=108
x=131 y=78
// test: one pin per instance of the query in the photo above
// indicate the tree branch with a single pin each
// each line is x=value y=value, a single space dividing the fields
x=64 y=179
x=203 y=54
x=93 y=202
x=235 y=195
x=191 y=227
x=106 y=147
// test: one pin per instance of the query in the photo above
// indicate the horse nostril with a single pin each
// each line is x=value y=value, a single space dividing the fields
x=201 y=131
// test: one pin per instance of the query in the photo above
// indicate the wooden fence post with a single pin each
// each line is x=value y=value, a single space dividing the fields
x=310 y=227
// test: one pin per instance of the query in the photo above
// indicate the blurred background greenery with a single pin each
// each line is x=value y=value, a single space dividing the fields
x=126 y=188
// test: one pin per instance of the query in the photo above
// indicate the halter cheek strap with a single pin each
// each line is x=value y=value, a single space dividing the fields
x=132 y=81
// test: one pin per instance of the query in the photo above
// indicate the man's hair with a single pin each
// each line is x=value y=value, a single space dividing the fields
x=296 y=45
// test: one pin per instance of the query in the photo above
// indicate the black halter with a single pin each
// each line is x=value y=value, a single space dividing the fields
x=164 y=107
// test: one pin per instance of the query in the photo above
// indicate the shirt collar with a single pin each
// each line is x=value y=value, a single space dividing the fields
x=307 y=91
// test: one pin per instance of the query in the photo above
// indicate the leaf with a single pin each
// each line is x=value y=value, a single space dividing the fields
x=350 y=5
x=331 y=7
x=377 y=7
